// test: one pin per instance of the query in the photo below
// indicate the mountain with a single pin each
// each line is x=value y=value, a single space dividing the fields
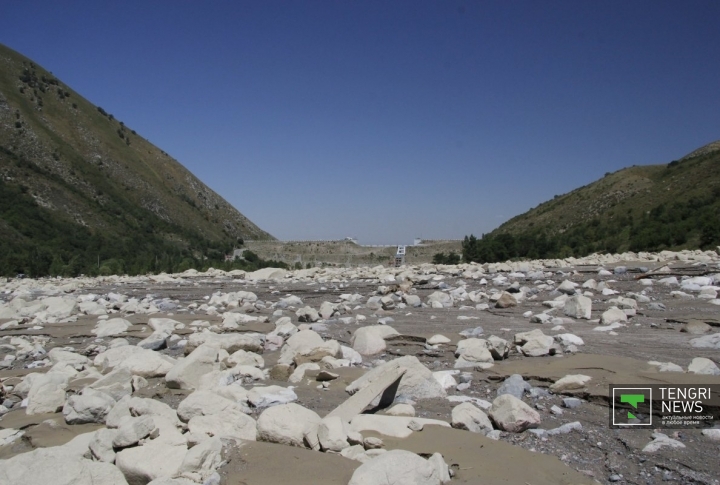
x=79 y=186
x=640 y=208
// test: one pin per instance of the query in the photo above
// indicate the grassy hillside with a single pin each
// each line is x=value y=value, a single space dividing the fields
x=641 y=208
x=78 y=185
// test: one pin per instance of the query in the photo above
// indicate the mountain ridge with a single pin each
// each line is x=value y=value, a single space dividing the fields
x=639 y=208
x=82 y=166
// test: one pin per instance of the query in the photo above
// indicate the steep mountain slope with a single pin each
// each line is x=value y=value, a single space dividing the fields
x=72 y=164
x=640 y=208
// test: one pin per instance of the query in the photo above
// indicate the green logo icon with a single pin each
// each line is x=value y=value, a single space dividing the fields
x=633 y=400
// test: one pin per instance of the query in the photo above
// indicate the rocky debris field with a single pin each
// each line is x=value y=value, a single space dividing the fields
x=429 y=374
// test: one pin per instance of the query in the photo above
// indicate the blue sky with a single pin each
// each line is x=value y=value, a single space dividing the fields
x=390 y=120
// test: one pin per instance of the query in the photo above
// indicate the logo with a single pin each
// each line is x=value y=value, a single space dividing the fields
x=632 y=406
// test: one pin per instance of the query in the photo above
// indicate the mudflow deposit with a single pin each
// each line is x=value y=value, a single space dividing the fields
x=471 y=374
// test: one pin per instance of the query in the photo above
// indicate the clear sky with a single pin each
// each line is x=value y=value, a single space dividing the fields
x=387 y=120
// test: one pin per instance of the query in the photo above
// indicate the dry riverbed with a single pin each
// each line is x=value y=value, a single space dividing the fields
x=358 y=375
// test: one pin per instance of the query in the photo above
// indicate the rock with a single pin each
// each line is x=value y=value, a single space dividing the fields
x=572 y=402
x=204 y=403
x=514 y=385
x=567 y=287
x=59 y=465
x=511 y=414
x=111 y=327
x=445 y=378
x=90 y=407
x=472 y=332
x=57 y=355
x=101 y=445
x=438 y=340
x=394 y=426
x=661 y=440
x=46 y=396
x=155 y=341
x=498 y=347
x=299 y=373
x=139 y=361
x=132 y=431
x=570 y=382
x=613 y=315
x=307 y=346
x=387 y=303
x=143 y=464
x=9 y=435
x=243 y=357
x=382 y=385
x=230 y=423
x=701 y=365
x=568 y=339
x=412 y=301
x=439 y=299
x=286 y=424
x=706 y=342
x=442 y=470
x=712 y=434
x=417 y=382
x=506 y=300
x=535 y=343
x=307 y=314
x=578 y=306
x=396 y=467
x=187 y=372
x=696 y=327
x=117 y=383
x=565 y=428
x=472 y=351
x=266 y=396
x=202 y=460
x=371 y=340
x=332 y=434
x=666 y=366
x=466 y=416
x=401 y=410
x=230 y=342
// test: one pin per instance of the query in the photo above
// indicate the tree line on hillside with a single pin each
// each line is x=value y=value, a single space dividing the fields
x=692 y=223
x=38 y=242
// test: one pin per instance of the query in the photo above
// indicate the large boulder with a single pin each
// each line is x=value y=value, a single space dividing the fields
x=469 y=417
x=92 y=406
x=511 y=414
x=59 y=465
x=570 y=382
x=471 y=352
x=417 y=382
x=308 y=346
x=706 y=342
x=439 y=299
x=371 y=340
x=202 y=460
x=117 y=383
x=139 y=361
x=47 y=393
x=187 y=372
x=701 y=365
x=142 y=464
x=396 y=467
x=204 y=403
x=287 y=424
x=111 y=327
x=229 y=423
x=230 y=342
x=535 y=343
x=578 y=306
